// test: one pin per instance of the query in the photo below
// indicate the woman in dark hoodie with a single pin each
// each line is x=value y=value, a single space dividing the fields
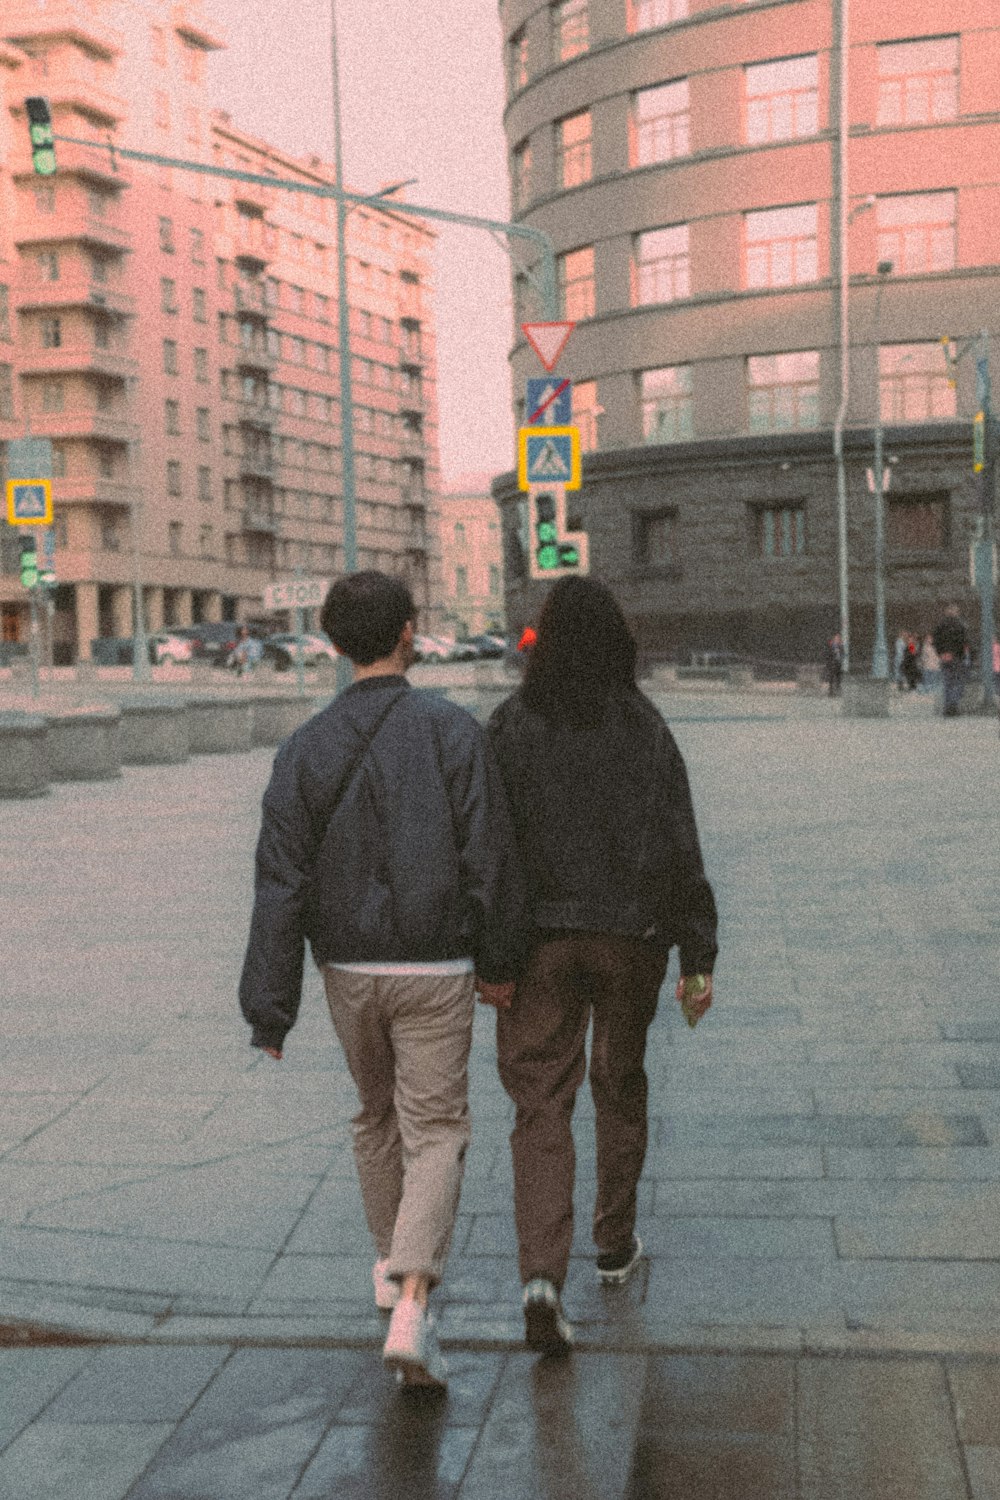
x=604 y=824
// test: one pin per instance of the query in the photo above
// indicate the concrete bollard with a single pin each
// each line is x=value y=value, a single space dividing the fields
x=277 y=715
x=741 y=678
x=218 y=726
x=84 y=744
x=155 y=731
x=865 y=698
x=810 y=680
x=24 y=756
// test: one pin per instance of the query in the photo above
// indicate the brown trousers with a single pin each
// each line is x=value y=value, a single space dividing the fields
x=542 y=1060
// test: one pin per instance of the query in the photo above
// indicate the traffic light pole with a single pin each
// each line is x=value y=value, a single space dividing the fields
x=984 y=542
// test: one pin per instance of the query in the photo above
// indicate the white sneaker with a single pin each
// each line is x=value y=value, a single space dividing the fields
x=386 y=1290
x=546 y=1330
x=411 y=1348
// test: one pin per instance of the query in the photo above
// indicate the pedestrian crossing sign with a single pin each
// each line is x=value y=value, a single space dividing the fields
x=29 y=502
x=549 y=455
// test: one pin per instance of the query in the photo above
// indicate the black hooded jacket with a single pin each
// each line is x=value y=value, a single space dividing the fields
x=605 y=826
x=410 y=858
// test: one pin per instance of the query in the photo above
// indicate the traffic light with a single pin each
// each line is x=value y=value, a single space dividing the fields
x=546 y=532
x=29 y=563
x=553 y=550
x=43 y=150
x=979 y=442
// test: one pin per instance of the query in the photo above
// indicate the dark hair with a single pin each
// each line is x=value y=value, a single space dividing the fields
x=584 y=652
x=364 y=614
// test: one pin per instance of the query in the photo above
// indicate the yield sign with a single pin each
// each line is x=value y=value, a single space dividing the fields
x=548 y=340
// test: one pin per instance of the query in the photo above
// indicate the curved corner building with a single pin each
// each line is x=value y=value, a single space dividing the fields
x=706 y=190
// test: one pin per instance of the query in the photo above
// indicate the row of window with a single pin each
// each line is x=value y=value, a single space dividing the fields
x=914 y=523
x=916 y=232
x=918 y=84
x=461 y=589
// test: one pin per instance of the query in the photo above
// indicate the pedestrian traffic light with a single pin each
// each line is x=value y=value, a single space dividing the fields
x=545 y=531
x=29 y=563
x=43 y=150
x=979 y=442
x=553 y=550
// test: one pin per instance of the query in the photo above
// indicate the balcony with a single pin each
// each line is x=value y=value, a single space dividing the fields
x=253 y=198
x=258 y=418
x=26 y=21
x=263 y=522
x=250 y=298
x=256 y=465
x=84 y=359
x=78 y=225
x=412 y=444
x=72 y=291
x=188 y=24
x=85 y=422
x=255 y=357
x=93 y=490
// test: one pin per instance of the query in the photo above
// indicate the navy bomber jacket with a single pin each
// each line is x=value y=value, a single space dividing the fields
x=605 y=826
x=410 y=858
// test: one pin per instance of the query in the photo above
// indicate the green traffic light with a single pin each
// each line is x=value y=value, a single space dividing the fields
x=569 y=556
x=547 y=557
x=546 y=531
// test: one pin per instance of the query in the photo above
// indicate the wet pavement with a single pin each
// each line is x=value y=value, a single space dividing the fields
x=820 y=1310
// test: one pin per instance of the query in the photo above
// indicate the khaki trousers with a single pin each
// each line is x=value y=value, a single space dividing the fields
x=406 y=1039
x=541 y=1044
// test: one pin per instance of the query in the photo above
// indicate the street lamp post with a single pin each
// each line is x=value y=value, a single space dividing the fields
x=880 y=654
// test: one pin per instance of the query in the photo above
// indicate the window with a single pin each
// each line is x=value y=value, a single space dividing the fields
x=60 y=526
x=462 y=582
x=918 y=81
x=194 y=64
x=521 y=162
x=58 y=460
x=569 y=29
x=53 y=395
x=5 y=333
x=494 y=579
x=645 y=14
x=459 y=534
x=198 y=248
x=106 y=461
x=783 y=391
x=574 y=148
x=170 y=356
x=661 y=267
x=661 y=123
x=782 y=99
x=917 y=523
x=204 y=426
x=666 y=404
x=102 y=333
x=161 y=109
x=585 y=413
x=201 y=365
x=168 y=295
x=517 y=61
x=192 y=120
x=655 y=539
x=780 y=246
x=51 y=333
x=914 y=384
x=173 y=418
x=198 y=305
x=175 y=533
x=917 y=232
x=173 y=477
x=45 y=198
x=99 y=268
x=104 y=395
x=781 y=530
x=97 y=203
x=6 y=393
x=111 y=537
x=159 y=46
x=167 y=236
x=48 y=265
x=576 y=283
x=204 y=483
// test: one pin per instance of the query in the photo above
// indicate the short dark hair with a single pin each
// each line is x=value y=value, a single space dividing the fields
x=585 y=652
x=364 y=615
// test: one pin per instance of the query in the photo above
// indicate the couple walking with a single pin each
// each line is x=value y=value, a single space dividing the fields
x=548 y=865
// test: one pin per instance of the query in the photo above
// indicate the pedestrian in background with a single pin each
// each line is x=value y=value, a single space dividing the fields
x=834 y=663
x=911 y=663
x=951 y=642
x=604 y=824
x=386 y=841
x=996 y=666
x=898 y=656
x=247 y=652
x=930 y=666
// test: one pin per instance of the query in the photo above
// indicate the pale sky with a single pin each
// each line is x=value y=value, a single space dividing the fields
x=422 y=96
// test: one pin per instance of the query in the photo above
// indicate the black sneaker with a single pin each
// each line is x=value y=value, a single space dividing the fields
x=546 y=1331
x=616 y=1266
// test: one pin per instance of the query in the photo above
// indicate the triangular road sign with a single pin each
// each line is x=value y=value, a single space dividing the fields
x=548 y=340
x=550 y=463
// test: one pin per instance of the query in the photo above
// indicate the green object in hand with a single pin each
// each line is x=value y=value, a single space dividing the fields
x=694 y=985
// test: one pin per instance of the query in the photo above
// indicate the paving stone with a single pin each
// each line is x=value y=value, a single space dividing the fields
x=975 y=1387
x=730 y=1290
x=979 y=1075
x=680 y=1238
x=921 y=1296
x=137 y=1385
x=917 y=1127
x=969 y=1163
x=53 y=1460
x=29 y=1379
x=559 y=1429
x=876 y=1430
x=373 y=1399
x=134 y=1264
x=390 y=1462
x=969 y=1233
x=253 y=1431
x=740 y=1162
x=984 y=1472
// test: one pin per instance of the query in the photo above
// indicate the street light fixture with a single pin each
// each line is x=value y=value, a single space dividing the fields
x=880 y=653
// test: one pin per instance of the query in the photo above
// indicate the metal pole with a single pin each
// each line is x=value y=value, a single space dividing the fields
x=300 y=645
x=845 y=349
x=344 y=323
x=987 y=486
x=880 y=654
x=35 y=674
x=141 y=668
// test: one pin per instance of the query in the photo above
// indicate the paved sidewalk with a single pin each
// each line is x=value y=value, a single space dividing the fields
x=823 y=1178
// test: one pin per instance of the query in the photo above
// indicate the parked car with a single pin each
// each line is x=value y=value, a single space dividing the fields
x=281 y=650
x=488 y=647
x=170 y=647
x=429 y=648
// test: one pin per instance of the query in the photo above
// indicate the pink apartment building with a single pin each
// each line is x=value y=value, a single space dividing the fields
x=175 y=335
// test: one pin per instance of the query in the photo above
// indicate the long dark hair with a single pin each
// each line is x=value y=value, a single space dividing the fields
x=584 y=652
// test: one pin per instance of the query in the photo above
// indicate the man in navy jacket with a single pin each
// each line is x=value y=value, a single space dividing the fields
x=387 y=842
